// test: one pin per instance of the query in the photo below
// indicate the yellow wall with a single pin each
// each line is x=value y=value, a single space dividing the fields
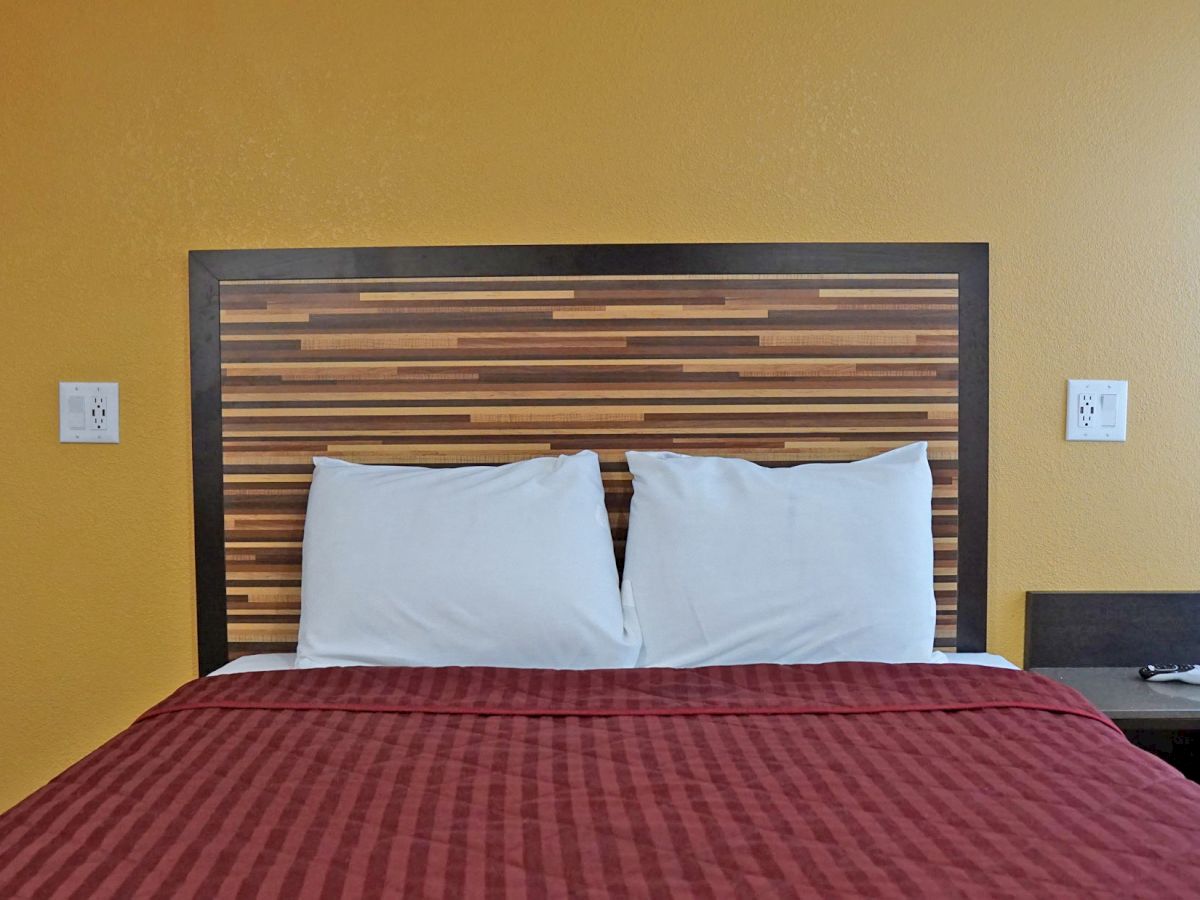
x=1065 y=133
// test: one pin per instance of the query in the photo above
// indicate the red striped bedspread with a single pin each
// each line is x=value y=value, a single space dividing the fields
x=848 y=779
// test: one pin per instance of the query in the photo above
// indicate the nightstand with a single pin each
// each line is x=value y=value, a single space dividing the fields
x=1095 y=643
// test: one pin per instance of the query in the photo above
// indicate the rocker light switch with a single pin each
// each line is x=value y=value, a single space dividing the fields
x=88 y=412
x=76 y=412
x=1108 y=410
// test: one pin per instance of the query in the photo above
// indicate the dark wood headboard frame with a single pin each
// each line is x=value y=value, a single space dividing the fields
x=209 y=269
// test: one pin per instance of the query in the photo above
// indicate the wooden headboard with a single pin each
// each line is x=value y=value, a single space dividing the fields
x=442 y=356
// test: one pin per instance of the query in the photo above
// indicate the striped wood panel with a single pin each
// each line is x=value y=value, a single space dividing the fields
x=776 y=369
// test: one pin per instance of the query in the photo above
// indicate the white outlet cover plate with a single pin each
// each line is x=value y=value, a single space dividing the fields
x=1097 y=409
x=89 y=412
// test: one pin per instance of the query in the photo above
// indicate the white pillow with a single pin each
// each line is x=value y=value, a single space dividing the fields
x=729 y=562
x=474 y=566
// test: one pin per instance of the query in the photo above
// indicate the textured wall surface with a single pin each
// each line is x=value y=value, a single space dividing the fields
x=1064 y=133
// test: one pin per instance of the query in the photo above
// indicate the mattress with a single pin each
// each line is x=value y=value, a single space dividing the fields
x=273 y=662
x=845 y=779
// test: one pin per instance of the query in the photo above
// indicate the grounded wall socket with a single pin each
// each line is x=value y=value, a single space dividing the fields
x=1096 y=410
x=97 y=412
x=88 y=412
x=1086 y=407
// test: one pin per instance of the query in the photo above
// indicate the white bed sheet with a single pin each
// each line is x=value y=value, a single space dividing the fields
x=274 y=662
x=994 y=660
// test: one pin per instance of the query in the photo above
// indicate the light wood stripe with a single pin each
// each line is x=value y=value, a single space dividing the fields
x=531 y=294
x=889 y=292
x=659 y=312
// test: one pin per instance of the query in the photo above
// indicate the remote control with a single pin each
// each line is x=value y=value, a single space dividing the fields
x=1187 y=674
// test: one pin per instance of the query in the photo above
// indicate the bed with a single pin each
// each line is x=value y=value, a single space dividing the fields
x=954 y=776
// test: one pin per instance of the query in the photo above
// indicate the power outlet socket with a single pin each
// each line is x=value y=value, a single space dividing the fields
x=1096 y=409
x=88 y=412
x=1085 y=410
x=97 y=419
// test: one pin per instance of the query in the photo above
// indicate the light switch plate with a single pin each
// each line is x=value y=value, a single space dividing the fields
x=1096 y=409
x=89 y=412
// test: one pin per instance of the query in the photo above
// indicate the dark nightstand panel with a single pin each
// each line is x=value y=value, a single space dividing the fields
x=1111 y=629
x=1180 y=749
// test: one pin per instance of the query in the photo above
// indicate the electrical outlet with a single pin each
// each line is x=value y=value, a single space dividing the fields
x=1096 y=410
x=1085 y=406
x=97 y=412
x=88 y=412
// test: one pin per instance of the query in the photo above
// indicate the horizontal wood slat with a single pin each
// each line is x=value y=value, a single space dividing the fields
x=451 y=371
